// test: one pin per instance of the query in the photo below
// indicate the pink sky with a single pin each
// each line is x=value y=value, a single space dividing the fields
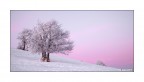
x=98 y=35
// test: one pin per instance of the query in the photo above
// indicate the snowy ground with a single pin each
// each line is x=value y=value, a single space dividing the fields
x=26 y=61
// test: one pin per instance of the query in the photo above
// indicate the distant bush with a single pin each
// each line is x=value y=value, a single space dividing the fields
x=100 y=63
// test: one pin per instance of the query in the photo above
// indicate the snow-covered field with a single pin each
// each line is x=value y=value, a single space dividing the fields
x=27 y=61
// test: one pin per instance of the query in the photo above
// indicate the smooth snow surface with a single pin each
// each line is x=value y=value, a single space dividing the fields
x=27 y=61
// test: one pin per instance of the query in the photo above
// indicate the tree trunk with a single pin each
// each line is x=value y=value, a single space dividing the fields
x=48 y=60
x=43 y=58
x=44 y=54
x=24 y=46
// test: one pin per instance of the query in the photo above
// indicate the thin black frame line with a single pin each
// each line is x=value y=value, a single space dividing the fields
x=71 y=10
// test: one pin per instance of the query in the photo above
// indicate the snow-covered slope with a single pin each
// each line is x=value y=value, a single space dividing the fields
x=26 y=61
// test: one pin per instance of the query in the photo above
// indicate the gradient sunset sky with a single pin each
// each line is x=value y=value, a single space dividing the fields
x=105 y=36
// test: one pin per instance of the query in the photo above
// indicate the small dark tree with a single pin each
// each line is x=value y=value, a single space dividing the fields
x=24 y=38
x=50 y=38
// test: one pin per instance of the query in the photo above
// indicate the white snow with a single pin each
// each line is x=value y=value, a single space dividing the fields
x=27 y=61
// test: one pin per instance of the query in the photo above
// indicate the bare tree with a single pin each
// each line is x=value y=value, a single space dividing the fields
x=50 y=38
x=24 y=38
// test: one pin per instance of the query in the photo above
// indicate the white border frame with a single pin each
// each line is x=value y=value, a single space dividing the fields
x=7 y=5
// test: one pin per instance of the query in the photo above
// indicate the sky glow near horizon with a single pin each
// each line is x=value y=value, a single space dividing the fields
x=105 y=36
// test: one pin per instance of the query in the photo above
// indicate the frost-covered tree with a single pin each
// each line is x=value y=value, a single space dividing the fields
x=100 y=63
x=50 y=38
x=24 y=38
